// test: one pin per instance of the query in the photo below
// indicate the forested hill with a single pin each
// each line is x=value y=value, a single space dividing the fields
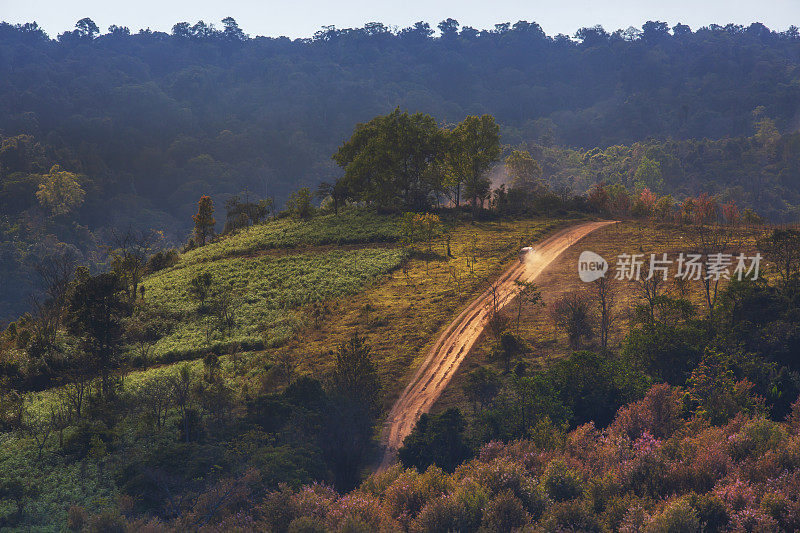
x=161 y=118
x=117 y=130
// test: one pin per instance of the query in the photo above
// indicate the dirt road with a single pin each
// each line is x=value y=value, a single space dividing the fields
x=455 y=342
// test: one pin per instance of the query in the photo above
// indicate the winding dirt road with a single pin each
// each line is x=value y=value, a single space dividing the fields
x=455 y=342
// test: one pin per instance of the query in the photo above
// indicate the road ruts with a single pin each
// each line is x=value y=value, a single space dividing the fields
x=457 y=339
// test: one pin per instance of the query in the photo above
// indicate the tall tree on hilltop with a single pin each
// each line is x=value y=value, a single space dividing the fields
x=389 y=159
x=204 y=220
x=474 y=146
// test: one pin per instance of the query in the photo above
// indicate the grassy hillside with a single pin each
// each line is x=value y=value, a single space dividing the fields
x=297 y=296
x=348 y=227
x=267 y=292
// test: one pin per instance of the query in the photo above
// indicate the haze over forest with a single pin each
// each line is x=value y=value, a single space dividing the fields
x=151 y=121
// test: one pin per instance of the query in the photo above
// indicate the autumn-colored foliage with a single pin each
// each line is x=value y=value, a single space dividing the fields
x=657 y=467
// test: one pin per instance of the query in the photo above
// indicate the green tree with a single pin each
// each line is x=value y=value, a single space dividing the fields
x=436 y=439
x=523 y=169
x=527 y=294
x=388 y=160
x=204 y=220
x=481 y=386
x=299 y=203
x=354 y=391
x=571 y=314
x=129 y=253
x=474 y=146
x=86 y=28
x=60 y=191
x=648 y=175
x=200 y=287
x=782 y=248
x=96 y=310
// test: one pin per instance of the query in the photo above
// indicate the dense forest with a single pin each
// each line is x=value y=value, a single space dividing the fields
x=143 y=124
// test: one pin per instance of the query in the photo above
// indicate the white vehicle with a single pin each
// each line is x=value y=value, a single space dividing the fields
x=525 y=251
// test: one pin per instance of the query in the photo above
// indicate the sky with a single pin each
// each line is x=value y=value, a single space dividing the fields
x=301 y=18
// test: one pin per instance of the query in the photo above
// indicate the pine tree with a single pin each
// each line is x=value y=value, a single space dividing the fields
x=204 y=220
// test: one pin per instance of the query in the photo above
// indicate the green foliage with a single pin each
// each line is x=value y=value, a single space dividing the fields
x=59 y=191
x=648 y=175
x=204 y=220
x=436 y=440
x=267 y=288
x=523 y=169
x=355 y=391
x=594 y=386
x=353 y=226
x=389 y=160
x=561 y=483
x=474 y=146
x=200 y=286
x=668 y=351
x=95 y=313
x=299 y=204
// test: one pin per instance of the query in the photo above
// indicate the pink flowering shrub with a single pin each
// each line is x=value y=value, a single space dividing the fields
x=658 y=414
x=359 y=507
x=655 y=468
x=645 y=473
x=736 y=495
x=410 y=491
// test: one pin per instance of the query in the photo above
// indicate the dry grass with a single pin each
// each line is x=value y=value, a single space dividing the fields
x=561 y=277
x=402 y=315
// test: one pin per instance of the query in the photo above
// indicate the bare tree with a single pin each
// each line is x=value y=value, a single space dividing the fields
x=285 y=365
x=182 y=385
x=606 y=295
x=498 y=322
x=55 y=272
x=155 y=397
x=76 y=388
x=711 y=239
x=527 y=294
x=142 y=331
x=782 y=248
x=571 y=314
x=12 y=405
x=39 y=427
x=128 y=254
x=651 y=285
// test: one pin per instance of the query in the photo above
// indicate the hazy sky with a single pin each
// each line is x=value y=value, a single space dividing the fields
x=301 y=18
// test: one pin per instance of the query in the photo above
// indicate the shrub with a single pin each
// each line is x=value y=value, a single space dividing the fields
x=711 y=511
x=504 y=513
x=756 y=438
x=406 y=496
x=88 y=435
x=446 y=513
x=357 y=509
x=676 y=517
x=658 y=413
x=562 y=483
x=306 y=524
x=161 y=260
x=76 y=518
x=572 y=515
x=107 y=522
x=436 y=439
